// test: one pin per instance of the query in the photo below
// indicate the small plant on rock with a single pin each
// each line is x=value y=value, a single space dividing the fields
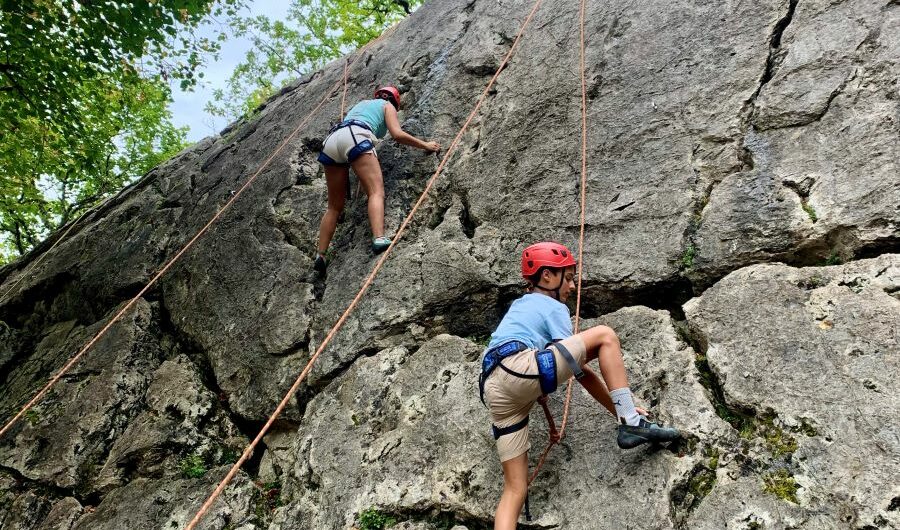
x=782 y=485
x=372 y=519
x=192 y=466
x=687 y=259
x=833 y=259
x=811 y=212
x=32 y=417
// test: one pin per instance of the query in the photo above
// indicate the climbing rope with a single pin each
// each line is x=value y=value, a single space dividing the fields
x=33 y=265
x=368 y=282
x=171 y=262
x=562 y=429
x=344 y=92
x=184 y=249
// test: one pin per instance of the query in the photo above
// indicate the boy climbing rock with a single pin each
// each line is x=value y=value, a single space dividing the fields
x=534 y=347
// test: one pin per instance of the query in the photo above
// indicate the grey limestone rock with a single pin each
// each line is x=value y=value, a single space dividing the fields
x=721 y=135
x=814 y=349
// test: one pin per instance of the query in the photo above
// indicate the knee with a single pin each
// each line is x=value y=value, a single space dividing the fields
x=604 y=336
x=515 y=491
x=335 y=208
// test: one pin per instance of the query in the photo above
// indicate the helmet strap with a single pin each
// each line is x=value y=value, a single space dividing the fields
x=554 y=292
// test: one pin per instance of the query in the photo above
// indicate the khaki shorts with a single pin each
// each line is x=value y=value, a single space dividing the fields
x=510 y=398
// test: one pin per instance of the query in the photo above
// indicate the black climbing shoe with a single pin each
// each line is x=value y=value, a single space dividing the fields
x=320 y=265
x=631 y=436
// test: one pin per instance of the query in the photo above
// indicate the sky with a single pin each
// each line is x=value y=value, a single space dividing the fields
x=187 y=107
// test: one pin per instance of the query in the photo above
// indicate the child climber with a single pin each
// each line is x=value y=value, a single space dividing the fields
x=351 y=143
x=534 y=348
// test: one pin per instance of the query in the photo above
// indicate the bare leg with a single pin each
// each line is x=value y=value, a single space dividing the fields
x=595 y=387
x=515 y=488
x=336 y=179
x=368 y=170
x=602 y=344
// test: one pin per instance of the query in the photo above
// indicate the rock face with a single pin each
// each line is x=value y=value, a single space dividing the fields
x=763 y=328
x=738 y=153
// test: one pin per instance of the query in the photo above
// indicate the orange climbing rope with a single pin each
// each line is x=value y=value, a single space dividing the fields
x=33 y=265
x=368 y=282
x=184 y=249
x=562 y=429
x=169 y=264
x=344 y=93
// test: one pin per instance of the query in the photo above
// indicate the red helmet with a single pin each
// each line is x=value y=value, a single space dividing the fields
x=545 y=254
x=392 y=92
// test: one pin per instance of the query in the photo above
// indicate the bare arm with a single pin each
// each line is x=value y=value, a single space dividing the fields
x=401 y=136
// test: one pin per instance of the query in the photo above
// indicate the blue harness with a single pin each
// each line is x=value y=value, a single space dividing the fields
x=546 y=363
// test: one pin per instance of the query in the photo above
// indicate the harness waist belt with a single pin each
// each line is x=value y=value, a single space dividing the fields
x=493 y=358
x=347 y=123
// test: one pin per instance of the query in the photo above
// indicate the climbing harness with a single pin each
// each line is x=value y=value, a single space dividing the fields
x=493 y=358
x=359 y=147
x=368 y=282
x=546 y=363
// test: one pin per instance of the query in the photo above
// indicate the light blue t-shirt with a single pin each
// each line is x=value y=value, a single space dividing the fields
x=535 y=319
x=371 y=112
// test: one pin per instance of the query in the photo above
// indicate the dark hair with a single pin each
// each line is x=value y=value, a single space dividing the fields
x=535 y=278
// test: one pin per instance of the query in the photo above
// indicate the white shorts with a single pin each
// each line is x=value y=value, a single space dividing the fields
x=346 y=144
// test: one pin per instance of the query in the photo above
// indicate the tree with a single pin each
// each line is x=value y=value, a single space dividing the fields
x=83 y=96
x=315 y=32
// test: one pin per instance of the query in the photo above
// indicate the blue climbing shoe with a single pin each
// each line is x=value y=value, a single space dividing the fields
x=631 y=436
x=380 y=244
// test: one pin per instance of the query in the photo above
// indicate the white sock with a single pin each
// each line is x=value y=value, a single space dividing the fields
x=625 y=405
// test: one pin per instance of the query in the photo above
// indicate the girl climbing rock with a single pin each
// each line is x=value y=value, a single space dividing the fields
x=534 y=348
x=351 y=143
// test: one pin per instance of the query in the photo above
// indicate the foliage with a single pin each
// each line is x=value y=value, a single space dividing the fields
x=83 y=96
x=713 y=454
x=810 y=211
x=32 y=417
x=833 y=259
x=372 y=519
x=48 y=178
x=315 y=32
x=687 y=258
x=782 y=485
x=267 y=499
x=192 y=466
x=481 y=340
